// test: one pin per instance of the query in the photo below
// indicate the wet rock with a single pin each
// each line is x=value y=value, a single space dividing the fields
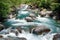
x=1 y=27
x=40 y=30
x=56 y=37
x=22 y=38
x=29 y=19
x=19 y=29
x=15 y=31
x=5 y=31
x=43 y=13
x=46 y=13
x=13 y=38
x=1 y=36
x=33 y=16
x=17 y=38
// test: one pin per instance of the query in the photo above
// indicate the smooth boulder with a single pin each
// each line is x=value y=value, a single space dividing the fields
x=29 y=19
x=40 y=30
x=32 y=15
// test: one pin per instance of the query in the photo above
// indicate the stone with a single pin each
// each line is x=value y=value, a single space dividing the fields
x=32 y=15
x=15 y=31
x=29 y=19
x=1 y=27
x=1 y=36
x=40 y=30
x=56 y=37
x=19 y=29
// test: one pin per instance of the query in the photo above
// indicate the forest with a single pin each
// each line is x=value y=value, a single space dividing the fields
x=6 y=6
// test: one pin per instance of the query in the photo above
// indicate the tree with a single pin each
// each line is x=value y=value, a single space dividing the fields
x=5 y=6
x=4 y=9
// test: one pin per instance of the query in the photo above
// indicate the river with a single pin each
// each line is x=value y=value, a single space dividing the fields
x=21 y=22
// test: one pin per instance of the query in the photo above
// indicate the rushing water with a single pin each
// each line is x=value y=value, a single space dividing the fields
x=20 y=22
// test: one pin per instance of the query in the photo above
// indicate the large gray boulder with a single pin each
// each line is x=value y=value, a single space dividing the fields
x=40 y=30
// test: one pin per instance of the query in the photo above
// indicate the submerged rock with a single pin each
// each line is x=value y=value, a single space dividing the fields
x=40 y=30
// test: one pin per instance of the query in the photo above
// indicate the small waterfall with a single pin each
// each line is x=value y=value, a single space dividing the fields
x=29 y=36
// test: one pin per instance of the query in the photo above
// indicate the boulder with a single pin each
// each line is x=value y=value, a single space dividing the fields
x=40 y=30
x=1 y=27
x=32 y=15
x=1 y=36
x=29 y=19
x=19 y=29
x=15 y=31
x=56 y=37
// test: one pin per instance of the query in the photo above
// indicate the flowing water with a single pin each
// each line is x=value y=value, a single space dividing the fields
x=21 y=22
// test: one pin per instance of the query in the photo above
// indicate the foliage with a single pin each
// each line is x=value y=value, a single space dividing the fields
x=55 y=6
x=4 y=9
x=44 y=3
x=5 y=6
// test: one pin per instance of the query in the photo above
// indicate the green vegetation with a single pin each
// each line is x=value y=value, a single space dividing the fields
x=44 y=3
x=5 y=5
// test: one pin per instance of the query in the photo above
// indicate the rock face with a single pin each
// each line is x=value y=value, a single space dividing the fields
x=40 y=30
x=56 y=37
